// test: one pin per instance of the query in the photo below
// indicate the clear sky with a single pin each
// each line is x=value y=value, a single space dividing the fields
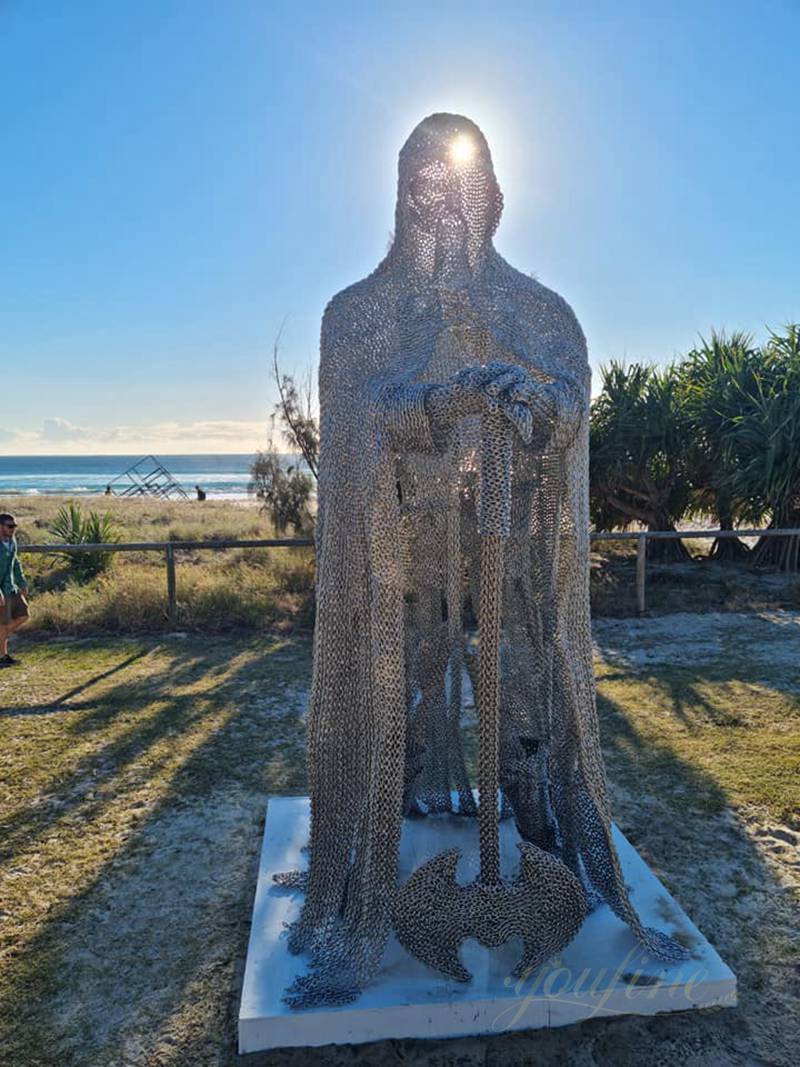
x=178 y=177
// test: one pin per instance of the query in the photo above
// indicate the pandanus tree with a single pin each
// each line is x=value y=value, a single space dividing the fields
x=639 y=458
x=762 y=447
x=715 y=377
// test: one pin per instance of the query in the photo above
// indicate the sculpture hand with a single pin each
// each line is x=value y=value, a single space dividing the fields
x=496 y=386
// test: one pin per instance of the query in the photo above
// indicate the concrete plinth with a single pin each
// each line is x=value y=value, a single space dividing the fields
x=601 y=973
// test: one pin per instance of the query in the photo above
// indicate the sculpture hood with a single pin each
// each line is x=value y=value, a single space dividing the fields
x=448 y=199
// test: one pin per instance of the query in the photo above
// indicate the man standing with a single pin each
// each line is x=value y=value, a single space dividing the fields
x=13 y=588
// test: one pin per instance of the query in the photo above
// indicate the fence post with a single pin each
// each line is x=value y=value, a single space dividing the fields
x=172 y=603
x=641 y=565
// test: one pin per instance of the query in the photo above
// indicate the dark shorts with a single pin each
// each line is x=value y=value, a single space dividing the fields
x=15 y=607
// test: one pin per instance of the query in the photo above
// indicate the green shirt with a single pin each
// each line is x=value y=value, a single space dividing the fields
x=12 y=577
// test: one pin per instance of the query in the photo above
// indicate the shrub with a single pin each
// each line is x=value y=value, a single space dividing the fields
x=213 y=597
x=72 y=527
x=285 y=494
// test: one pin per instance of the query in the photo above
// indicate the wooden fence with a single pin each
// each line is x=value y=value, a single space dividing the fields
x=169 y=548
x=643 y=536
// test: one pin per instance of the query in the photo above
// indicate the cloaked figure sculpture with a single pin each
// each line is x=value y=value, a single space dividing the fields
x=454 y=404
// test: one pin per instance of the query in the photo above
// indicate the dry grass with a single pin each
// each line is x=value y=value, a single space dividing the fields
x=147 y=519
x=134 y=778
x=272 y=589
x=218 y=591
x=225 y=592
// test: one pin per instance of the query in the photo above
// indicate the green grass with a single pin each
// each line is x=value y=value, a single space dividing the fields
x=134 y=775
x=735 y=741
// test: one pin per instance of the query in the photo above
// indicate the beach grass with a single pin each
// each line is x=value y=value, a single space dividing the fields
x=135 y=775
x=271 y=590
x=217 y=591
x=147 y=518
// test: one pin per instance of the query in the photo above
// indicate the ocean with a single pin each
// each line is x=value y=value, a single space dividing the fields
x=221 y=476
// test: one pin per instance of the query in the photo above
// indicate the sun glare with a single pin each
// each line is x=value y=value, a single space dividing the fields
x=462 y=149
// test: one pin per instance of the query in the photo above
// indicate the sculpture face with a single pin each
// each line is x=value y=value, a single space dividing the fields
x=449 y=202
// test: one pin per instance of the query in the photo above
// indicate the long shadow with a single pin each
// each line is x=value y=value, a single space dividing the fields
x=670 y=810
x=247 y=753
x=637 y=760
x=58 y=703
x=681 y=681
x=241 y=754
x=680 y=686
x=85 y=791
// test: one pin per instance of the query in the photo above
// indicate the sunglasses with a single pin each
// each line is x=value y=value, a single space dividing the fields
x=9 y=525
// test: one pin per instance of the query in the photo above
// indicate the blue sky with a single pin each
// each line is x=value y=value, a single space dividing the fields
x=179 y=178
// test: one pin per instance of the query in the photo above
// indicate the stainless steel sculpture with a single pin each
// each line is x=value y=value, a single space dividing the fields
x=454 y=398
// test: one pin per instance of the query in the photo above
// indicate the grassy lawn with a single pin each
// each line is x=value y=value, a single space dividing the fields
x=133 y=778
x=714 y=700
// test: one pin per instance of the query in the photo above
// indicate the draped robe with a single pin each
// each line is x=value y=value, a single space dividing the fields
x=397 y=572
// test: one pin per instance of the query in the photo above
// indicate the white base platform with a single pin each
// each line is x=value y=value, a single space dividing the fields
x=601 y=973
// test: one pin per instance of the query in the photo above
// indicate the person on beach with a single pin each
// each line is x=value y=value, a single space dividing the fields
x=13 y=588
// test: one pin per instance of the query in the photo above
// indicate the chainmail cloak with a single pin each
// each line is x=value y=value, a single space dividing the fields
x=441 y=332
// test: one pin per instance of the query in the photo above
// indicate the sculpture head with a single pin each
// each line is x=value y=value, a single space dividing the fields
x=448 y=199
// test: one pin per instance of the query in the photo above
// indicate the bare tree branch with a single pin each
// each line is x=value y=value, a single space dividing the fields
x=295 y=409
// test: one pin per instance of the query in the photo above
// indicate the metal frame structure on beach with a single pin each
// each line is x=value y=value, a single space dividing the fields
x=147 y=477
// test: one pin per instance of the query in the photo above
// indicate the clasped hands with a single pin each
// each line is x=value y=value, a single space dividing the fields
x=493 y=387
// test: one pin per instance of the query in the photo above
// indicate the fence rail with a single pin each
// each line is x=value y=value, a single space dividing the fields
x=169 y=548
x=643 y=536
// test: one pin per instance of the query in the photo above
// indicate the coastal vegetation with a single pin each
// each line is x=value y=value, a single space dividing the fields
x=217 y=591
x=714 y=435
x=272 y=590
x=711 y=439
x=286 y=492
x=72 y=527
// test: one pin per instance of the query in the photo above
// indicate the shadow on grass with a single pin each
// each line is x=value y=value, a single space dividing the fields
x=240 y=752
x=680 y=685
x=640 y=763
x=58 y=703
x=254 y=750
x=93 y=780
x=734 y=657
x=682 y=835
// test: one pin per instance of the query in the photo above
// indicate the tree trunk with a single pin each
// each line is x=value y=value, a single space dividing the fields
x=780 y=552
x=666 y=550
x=728 y=549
